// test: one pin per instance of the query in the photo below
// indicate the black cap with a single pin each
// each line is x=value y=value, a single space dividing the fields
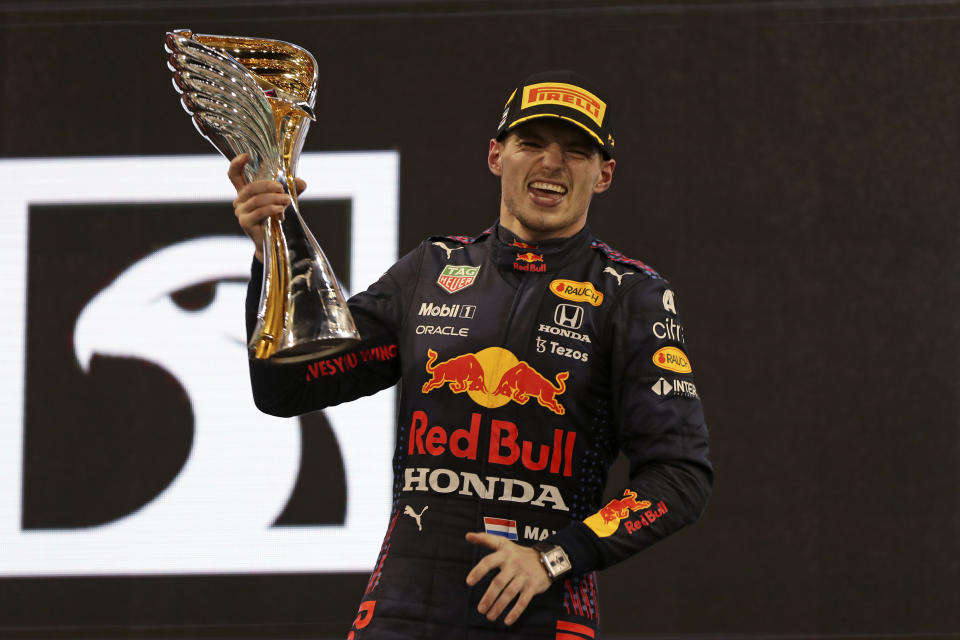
x=560 y=94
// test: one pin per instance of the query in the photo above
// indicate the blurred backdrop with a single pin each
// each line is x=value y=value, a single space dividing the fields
x=790 y=167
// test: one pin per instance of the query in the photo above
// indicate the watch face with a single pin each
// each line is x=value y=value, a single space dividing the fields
x=557 y=561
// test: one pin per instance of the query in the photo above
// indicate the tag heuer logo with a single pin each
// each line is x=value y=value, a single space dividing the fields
x=453 y=278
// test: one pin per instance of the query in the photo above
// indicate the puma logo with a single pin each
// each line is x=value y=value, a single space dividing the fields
x=408 y=510
x=449 y=250
x=618 y=276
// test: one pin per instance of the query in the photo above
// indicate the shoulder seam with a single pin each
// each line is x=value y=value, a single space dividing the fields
x=616 y=256
x=464 y=239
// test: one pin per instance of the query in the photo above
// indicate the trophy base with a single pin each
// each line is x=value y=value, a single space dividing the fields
x=311 y=350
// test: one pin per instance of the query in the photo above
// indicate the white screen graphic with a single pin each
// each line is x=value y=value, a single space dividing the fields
x=215 y=516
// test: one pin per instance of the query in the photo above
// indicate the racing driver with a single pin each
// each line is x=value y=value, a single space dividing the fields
x=530 y=355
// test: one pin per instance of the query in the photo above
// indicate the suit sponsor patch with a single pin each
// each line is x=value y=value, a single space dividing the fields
x=444 y=481
x=455 y=278
x=672 y=359
x=576 y=291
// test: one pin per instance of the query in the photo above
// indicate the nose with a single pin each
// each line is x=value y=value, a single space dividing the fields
x=553 y=155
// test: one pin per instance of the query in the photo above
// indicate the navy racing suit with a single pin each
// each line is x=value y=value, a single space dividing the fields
x=525 y=369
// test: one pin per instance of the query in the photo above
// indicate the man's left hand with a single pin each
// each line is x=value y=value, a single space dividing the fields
x=521 y=576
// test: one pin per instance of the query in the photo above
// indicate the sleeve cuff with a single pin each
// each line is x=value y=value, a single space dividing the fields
x=579 y=543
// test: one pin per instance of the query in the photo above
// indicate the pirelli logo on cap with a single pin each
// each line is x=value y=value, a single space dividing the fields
x=566 y=95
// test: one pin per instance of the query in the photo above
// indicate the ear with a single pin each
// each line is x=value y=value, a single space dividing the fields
x=494 y=157
x=606 y=175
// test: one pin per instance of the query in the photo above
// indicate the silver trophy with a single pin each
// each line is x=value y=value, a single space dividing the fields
x=256 y=96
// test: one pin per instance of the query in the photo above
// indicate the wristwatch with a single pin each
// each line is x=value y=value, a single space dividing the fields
x=554 y=559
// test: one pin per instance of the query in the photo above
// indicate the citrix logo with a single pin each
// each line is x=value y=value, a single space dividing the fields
x=668 y=328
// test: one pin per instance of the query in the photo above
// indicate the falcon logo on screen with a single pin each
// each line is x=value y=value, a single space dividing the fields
x=129 y=441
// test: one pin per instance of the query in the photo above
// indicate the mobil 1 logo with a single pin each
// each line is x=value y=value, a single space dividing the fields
x=433 y=310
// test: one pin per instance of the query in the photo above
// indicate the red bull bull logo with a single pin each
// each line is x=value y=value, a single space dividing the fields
x=462 y=373
x=529 y=256
x=605 y=522
x=493 y=377
x=529 y=261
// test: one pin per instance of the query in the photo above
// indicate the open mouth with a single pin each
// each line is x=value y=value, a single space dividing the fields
x=547 y=190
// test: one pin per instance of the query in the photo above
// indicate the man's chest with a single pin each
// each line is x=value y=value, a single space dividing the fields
x=502 y=338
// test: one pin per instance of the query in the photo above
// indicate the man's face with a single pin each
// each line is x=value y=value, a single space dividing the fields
x=548 y=172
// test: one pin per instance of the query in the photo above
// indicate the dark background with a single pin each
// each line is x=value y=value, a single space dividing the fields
x=791 y=167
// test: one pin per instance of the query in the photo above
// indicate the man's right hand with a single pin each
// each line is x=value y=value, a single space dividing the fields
x=257 y=201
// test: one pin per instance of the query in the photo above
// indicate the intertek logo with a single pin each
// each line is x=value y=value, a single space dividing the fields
x=663 y=387
x=447 y=310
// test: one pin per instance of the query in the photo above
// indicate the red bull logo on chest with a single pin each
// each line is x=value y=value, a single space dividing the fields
x=493 y=377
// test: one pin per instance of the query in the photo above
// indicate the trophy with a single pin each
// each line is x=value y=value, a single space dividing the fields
x=256 y=96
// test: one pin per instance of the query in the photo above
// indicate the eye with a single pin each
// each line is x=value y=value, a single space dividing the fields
x=199 y=296
x=196 y=297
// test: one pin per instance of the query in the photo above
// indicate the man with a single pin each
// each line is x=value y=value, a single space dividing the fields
x=529 y=356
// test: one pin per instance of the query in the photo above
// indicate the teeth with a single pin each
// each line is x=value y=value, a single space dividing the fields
x=549 y=186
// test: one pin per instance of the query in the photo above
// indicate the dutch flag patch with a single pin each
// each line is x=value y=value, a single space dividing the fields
x=500 y=527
